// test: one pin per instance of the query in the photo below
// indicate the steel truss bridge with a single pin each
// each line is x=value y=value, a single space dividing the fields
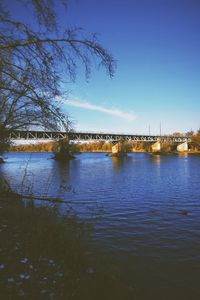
x=88 y=136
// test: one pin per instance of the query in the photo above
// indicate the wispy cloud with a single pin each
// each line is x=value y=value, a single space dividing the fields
x=129 y=117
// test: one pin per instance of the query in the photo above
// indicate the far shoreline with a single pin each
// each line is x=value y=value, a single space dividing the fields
x=100 y=151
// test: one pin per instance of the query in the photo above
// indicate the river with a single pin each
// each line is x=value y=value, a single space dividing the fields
x=144 y=210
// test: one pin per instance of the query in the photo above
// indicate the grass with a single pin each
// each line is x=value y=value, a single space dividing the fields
x=45 y=256
x=39 y=251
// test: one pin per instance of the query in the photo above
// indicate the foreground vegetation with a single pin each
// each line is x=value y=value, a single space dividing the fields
x=46 y=256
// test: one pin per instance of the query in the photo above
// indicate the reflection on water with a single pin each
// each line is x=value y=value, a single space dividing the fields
x=119 y=162
x=135 y=205
x=182 y=154
x=156 y=158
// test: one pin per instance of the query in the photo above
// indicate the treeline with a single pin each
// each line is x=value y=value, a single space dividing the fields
x=81 y=147
x=39 y=147
x=195 y=140
x=107 y=147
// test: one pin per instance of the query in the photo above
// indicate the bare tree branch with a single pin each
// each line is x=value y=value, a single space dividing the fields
x=34 y=62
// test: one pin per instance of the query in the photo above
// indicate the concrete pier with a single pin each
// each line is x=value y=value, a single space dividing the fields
x=156 y=147
x=182 y=147
x=118 y=149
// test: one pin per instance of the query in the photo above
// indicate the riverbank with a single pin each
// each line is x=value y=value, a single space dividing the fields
x=39 y=252
x=46 y=256
x=174 y=153
x=102 y=151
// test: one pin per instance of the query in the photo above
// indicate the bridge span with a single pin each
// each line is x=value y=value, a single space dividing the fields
x=88 y=136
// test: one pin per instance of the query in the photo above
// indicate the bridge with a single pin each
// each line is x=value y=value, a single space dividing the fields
x=86 y=136
x=116 y=139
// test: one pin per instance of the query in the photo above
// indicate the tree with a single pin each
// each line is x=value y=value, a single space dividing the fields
x=195 y=140
x=177 y=134
x=190 y=133
x=33 y=62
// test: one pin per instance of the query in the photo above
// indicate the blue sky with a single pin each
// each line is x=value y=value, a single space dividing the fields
x=157 y=47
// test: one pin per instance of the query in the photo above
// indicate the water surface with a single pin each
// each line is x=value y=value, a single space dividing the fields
x=144 y=209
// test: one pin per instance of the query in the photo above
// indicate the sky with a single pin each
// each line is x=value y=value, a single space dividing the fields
x=156 y=44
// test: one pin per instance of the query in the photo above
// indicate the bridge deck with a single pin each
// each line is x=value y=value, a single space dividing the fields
x=55 y=135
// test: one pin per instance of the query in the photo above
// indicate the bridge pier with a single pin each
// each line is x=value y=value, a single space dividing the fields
x=182 y=147
x=118 y=149
x=156 y=147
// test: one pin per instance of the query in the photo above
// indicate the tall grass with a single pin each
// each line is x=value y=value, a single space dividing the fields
x=47 y=256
